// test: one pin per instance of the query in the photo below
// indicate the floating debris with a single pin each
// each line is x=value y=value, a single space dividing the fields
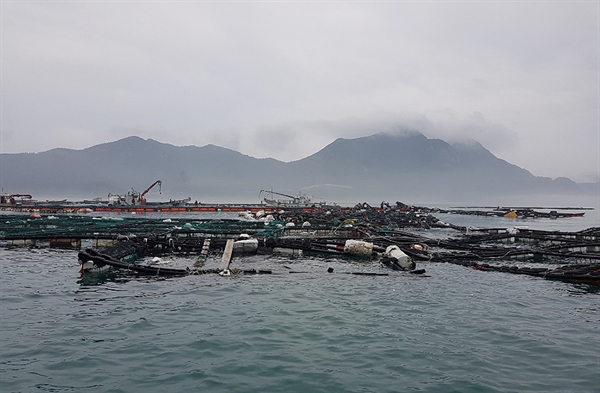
x=386 y=234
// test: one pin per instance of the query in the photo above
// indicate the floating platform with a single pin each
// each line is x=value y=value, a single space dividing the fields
x=83 y=208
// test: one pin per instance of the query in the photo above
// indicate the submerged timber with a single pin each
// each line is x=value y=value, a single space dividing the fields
x=394 y=236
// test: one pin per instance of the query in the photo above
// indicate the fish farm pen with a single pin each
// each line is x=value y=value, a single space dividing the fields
x=396 y=236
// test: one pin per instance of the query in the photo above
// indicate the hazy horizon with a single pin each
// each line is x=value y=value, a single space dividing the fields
x=284 y=79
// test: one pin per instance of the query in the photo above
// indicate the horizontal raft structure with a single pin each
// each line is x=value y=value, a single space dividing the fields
x=67 y=207
x=359 y=232
x=64 y=207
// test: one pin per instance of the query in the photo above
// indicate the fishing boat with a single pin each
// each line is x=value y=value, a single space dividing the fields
x=133 y=197
x=273 y=199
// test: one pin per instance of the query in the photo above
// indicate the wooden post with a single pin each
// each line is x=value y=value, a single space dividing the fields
x=226 y=259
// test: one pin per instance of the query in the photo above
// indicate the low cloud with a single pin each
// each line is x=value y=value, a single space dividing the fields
x=284 y=79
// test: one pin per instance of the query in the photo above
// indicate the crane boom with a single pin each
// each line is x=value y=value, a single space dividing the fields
x=22 y=196
x=276 y=193
x=153 y=184
x=142 y=199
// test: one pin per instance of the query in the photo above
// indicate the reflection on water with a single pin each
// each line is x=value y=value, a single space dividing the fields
x=583 y=289
x=100 y=278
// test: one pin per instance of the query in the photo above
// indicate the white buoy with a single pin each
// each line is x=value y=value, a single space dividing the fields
x=401 y=258
x=358 y=247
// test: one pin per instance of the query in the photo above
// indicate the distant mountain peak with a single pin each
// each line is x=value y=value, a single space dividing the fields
x=396 y=164
x=398 y=134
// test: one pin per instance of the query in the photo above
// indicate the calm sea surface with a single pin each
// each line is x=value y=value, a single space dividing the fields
x=455 y=330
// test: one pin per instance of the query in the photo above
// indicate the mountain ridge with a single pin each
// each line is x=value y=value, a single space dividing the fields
x=389 y=166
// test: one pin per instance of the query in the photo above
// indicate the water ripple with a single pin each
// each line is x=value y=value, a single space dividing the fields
x=458 y=330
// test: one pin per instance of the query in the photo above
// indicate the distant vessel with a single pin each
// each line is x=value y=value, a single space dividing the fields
x=6 y=198
x=300 y=200
x=135 y=202
x=133 y=197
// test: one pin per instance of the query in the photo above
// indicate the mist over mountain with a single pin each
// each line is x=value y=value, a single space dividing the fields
x=378 y=167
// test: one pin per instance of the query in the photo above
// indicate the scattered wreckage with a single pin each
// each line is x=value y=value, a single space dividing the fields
x=394 y=236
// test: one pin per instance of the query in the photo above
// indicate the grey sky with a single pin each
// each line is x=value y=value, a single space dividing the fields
x=284 y=79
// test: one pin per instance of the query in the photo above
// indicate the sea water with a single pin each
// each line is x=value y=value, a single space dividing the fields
x=453 y=330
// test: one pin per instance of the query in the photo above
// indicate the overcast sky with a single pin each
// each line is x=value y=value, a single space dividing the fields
x=284 y=79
